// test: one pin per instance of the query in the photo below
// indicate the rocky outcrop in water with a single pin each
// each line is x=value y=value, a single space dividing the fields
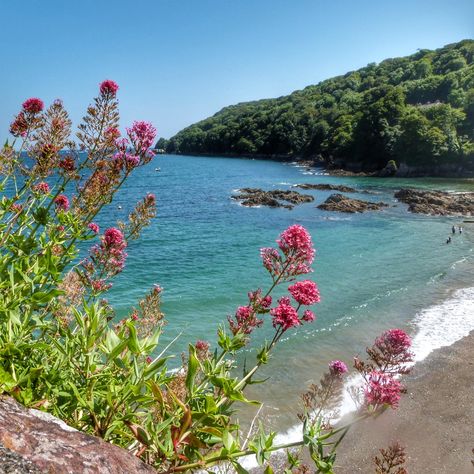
x=341 y=203
x=437 y=202
x=33 y=441
x=251 y=197
x=327 y=187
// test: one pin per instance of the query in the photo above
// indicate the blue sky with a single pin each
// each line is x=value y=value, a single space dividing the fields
x=178 y=61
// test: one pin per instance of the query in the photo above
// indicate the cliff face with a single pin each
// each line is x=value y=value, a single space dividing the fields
x=32 y=441
x=416 y=110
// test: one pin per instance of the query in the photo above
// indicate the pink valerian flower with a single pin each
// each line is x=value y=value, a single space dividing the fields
x=295 y=243
x=305 y=292
x=134 y=316
x=308 y=316
x=258 y=302
x=284 y=315
x=382 y=389
x=67 y=164
x=33 y=105
x=337 y=368
x=149 y=360
x=41 y=188
x=108 y=88
x=62 y=202
x=271 y=260
x=395 y=341
x=113 y=237
x=110 y=254
x=142 y=134
x=112 y=134
x=157 y=289
x=93 y=227
x=245 y=320
x=202 y=345
x=19 y=126
x=16 y=207
x=100 y=285
x=297 y=248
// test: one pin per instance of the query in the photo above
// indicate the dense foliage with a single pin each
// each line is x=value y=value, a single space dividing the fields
x=418 y=110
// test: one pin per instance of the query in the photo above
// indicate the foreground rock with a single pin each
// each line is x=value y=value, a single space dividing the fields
x=12 y=463
x=49 y=445
x=341 y=203
x=251 y=197
x=437 y=202
x=327 y=187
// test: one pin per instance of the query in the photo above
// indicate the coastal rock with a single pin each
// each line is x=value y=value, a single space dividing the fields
x=38 y=442
x=251 y=197
x=390 y=169
x=341 y=203
x=437 y=202
x=327 y=187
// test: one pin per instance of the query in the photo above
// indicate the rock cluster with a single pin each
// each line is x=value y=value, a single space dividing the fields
x=251 y=197
x=437 y=202
x=341 y=203
x=327 y=187
x=34 y=441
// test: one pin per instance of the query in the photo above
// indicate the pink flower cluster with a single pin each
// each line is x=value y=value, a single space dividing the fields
x=110 y=254
x=245 y=320
x=305 y=292
x=123 y=157
x=108 y=88
x=258 y=302
x=33 y=105
x=297 y=248
x=284 y=315
x=93 y=227
x=337 y=368
x=202 y=345
x=142 y=135
x=19 y=127
x=382 y=390
x=41 y=188
x=62 y=202
x=395 y=341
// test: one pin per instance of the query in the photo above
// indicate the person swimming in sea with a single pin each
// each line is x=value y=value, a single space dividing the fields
x=453 y=230
x=448 y=241
x=460 y=229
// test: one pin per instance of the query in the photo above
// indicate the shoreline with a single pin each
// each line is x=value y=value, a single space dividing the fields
x=434 y=421
x=404 y=170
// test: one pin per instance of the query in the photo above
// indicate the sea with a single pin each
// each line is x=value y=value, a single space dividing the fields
x=375 y=271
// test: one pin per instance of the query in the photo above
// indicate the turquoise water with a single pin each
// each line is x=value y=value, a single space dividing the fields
x=375 y=270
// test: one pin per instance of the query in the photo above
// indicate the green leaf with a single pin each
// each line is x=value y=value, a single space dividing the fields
x=238 y=467
x=193 y=365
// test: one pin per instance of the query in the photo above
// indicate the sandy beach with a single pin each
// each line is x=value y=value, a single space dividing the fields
x=435 y=420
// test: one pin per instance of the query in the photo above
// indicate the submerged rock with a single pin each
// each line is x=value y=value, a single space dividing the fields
x=437 y=202
x=327 y=187
x=251 y=197
x=341 y=203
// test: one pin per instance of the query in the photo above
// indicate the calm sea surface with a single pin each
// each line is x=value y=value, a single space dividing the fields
x=375 y=271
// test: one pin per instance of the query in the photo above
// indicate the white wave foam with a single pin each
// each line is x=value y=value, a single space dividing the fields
x=445 y=323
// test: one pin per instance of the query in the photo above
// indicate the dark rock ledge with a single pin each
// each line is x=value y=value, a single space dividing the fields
x=251 y=197
x=437 y=202
x=341 y=203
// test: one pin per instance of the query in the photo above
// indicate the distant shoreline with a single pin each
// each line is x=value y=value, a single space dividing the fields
x=404 y=171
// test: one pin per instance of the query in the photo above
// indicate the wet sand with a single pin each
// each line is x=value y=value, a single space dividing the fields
x=435 y=420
